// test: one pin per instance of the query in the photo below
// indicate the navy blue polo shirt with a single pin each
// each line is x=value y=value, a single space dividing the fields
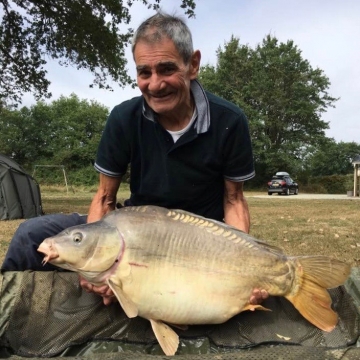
x=188 y=174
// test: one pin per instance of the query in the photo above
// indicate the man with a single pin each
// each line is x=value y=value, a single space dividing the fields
x=187 y=149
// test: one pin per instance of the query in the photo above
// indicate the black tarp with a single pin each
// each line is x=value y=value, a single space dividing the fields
x=19 y=192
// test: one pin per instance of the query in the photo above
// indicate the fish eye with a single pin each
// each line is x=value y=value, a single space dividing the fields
x=77 y=238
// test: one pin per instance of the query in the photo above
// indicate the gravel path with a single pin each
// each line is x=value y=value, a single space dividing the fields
x=307 y=197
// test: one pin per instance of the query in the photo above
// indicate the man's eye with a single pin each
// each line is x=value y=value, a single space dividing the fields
x=144 y=74
x=168 y=70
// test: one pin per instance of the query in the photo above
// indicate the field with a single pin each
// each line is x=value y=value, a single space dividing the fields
x=298 y=226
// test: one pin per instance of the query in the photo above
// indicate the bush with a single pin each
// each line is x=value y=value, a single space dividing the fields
x=333 y=184
x=312 y=189
x=86 y=176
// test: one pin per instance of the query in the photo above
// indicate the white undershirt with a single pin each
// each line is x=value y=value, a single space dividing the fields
x=176 y=134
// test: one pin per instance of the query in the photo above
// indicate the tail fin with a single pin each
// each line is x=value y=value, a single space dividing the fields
x=315 y=274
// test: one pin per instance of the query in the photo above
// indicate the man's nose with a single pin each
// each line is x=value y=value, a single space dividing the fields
x=156 y=82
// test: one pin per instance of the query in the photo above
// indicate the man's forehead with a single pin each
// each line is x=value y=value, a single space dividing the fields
x=161 y=51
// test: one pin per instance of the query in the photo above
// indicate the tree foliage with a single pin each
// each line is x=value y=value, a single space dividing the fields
x=22 y=136
x=67 y=132
x=64 y=132
x=333 y=158
x=281 y=94
x=89 y=34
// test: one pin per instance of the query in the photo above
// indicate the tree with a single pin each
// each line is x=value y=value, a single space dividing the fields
x=89 y=34
x=21 y=136
x=332 y=158
x=76 y=131
x=281 y=94
x=64 y=132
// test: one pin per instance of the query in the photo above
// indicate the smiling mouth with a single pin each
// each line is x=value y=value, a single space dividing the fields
x=159 y=96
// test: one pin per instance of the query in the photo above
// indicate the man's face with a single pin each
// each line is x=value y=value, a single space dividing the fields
x=162 y=76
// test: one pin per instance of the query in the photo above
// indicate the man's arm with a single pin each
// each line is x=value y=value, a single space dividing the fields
x=236 y=210
x=104 y=200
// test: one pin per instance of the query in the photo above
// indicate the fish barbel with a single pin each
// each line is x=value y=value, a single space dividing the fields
x=174 y=267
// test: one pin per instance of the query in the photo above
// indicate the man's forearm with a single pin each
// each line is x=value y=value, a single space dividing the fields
x=236 y=210
x=100 y=205
x=104 y=200
x=237 y=215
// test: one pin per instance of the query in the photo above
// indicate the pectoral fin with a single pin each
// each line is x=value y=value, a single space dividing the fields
x=127 y=304
x=167 y=337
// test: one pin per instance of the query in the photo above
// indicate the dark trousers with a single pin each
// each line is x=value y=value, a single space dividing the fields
x=22 y=253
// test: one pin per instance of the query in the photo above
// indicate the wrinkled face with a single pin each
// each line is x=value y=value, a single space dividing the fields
x=93 y=247
x=163 y=77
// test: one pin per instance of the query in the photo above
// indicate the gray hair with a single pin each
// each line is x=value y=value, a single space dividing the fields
x=160 y=26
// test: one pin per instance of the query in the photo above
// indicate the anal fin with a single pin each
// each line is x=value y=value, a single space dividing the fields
x=255 y=307
x=167 y=337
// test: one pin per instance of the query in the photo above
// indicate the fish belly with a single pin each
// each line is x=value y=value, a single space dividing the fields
x=181 y=295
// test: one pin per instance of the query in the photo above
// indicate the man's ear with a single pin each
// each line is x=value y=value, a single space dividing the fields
x=195 y=64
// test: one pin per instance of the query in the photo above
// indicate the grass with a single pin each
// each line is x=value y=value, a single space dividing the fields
x=299 y=227
x=309 y=227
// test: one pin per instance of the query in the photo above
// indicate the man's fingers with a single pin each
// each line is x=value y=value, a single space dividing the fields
x=107 y=300
x=264 y=294
x=109 y=292
x=103 y=290
x=258 y=296
x=86 y=285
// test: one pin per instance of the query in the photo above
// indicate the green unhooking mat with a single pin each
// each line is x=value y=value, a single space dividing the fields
x=47 y=314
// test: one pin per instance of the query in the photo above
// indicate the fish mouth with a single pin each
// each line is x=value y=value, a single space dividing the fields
x=49 y=250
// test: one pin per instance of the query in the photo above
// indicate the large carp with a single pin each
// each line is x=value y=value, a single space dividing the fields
x=174 y=267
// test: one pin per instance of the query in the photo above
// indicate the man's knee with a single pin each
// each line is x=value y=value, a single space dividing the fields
x=22 y=252
x=39 y=228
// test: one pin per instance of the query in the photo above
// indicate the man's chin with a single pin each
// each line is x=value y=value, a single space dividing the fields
x=162 y=106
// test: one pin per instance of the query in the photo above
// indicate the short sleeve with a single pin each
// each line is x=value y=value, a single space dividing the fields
x=237 y=152
x=113 y=154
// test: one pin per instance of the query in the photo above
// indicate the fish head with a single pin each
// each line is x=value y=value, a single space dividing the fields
x=90 y=248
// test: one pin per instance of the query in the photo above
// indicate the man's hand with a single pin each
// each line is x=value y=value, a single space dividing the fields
x=258 y=296
x=104 y=291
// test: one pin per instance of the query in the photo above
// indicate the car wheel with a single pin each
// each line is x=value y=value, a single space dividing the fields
x=287 y=191
x=296 y=191
x=269 y=193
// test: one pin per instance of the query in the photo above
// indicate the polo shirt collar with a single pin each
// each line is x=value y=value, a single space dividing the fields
x=202 y=107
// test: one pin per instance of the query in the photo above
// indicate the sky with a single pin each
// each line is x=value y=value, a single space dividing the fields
x=326 y=31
